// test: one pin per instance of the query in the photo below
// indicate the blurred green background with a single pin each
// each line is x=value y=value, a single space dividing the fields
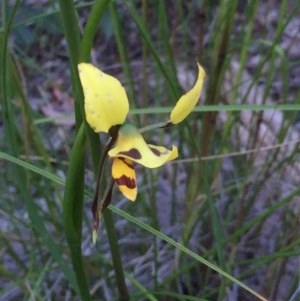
x=232 y=196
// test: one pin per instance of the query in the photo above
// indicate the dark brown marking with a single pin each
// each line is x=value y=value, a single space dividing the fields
x=133 y=153
x=108 y=198
x=128 y=182
x=155 y=151
x=128 y=164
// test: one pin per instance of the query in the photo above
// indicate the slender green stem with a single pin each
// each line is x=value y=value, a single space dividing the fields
x=185 y=250
x=72 y=34
x=124 y=57
x=91 y=28
x=116 y=256
x=222 y=108
x=154 y=126
x=165 y=38
x=3 y=16
x=9 y=123
x=146 y=36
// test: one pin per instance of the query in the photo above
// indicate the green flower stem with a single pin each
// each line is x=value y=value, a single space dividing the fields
x=72 y=34
x=91 y=28
x=147 y=40
x=97 y=207
x=115 y=253
x=155 y=126
x=123 y=52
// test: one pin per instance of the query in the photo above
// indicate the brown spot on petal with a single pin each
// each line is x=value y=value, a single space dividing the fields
x=127 y=163
x=133 y=153
x=155 y=151
x=128 y=182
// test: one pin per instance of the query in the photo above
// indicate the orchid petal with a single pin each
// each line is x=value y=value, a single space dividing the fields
x=188 y=101
x=131 y=145
x=105 y=103
x=124 y=174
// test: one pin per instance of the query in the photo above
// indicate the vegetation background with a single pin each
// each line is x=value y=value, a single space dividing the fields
x=226 y=211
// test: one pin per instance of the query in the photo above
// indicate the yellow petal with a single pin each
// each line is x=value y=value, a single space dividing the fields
x=124 y=174
x=131 y=145
x=188 y=101
x=105 y=100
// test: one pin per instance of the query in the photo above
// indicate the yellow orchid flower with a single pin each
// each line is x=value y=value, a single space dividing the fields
x=131 y=147
x=106 y=107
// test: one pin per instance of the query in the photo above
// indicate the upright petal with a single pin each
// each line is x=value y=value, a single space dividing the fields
x=124 y=174
x=105 y=100
x=188 y=101
x=131 y=145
